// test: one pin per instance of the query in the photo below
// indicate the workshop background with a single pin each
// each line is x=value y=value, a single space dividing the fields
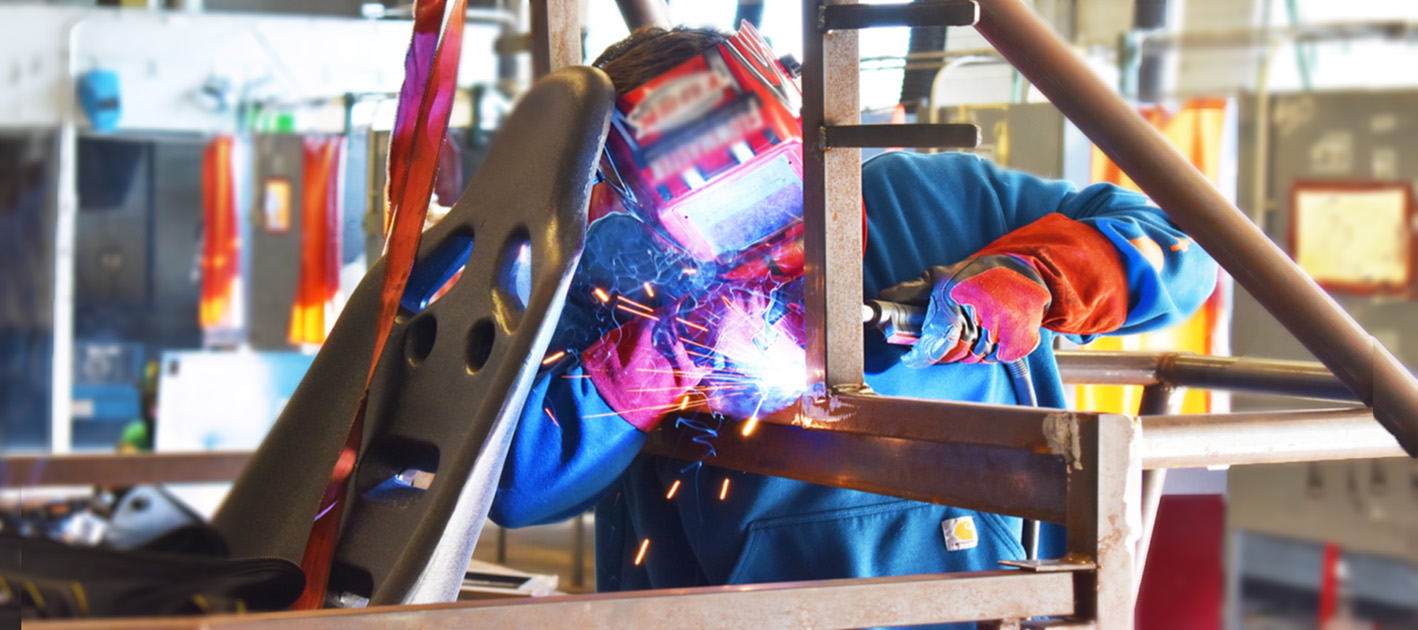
x=188 y=190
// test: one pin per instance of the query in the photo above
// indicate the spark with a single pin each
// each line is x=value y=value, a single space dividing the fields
x=553 y=417
x=575 y=376
x=622 y=298
x=684 y=402
x=552 y=359
x=635 y=312
x=601 y=295
x=326 y=510
x=689 y=271
x=644 y=544
x=724 y=491
x=621 y=413
x=674 y=488
x=750 y=425
x=691 y=324
x=649 y=290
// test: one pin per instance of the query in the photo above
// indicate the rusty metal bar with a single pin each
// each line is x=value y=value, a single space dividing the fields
x=826 y=605
x=1104 y=471
x=991 y=479
x=556 y=35
x=952 y=136
x=1264 y=438
x=832 y=198
x=1314 y=318
x=1258 y=376
x=642 y=13
x=120 y=470
x=933 y=13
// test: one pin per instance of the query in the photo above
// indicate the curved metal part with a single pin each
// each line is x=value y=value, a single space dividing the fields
x=1311 y=315
x=642 y=13
x=448 y=390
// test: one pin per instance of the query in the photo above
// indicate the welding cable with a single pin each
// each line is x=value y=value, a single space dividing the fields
x=901 y=323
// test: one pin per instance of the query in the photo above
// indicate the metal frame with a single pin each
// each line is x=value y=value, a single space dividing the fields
x=1083 y=469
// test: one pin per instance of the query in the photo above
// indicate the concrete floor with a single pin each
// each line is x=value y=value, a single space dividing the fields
x=544 y=549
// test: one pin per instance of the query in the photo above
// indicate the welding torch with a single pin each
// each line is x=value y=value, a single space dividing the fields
x=902 y=323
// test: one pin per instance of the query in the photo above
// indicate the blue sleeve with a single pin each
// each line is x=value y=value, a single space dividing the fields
x=938 y=209
x=569 y=449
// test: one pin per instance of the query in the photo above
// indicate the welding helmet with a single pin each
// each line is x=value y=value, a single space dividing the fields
x=709 y=153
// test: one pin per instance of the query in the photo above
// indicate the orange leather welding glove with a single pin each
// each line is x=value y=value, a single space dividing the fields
x=1054 y=273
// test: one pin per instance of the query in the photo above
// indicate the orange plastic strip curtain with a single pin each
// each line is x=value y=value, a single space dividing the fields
x=221 y=237
x=1196 y=130
x=313 y=311
x=425 y=101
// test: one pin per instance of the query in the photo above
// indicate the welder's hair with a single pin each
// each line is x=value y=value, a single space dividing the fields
x=650 y=51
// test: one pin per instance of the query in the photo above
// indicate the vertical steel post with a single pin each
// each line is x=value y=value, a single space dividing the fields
x=556 y=35
x=1156 y=400
x=1104 y=514
x=832 y=210
x=1313 y=317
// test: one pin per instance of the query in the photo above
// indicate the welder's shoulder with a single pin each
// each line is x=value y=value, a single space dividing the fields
x=927 y=167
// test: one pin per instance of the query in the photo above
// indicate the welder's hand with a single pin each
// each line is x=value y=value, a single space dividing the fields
x=642 y=370
x=983 y=309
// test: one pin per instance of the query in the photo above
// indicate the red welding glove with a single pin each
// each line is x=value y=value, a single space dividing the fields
x=641 y=370
x=1054 y=273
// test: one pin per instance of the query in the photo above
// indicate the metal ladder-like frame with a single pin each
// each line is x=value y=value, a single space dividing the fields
x=1077 y=468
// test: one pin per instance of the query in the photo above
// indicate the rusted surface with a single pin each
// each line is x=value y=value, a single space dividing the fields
x=1264 y=438
x=822 y=605
x=832 y=198
x=1000 y=480
x=121 y=470
x=1104 y=516
x=932 y=420
x=1316 y=320
x=556 y=35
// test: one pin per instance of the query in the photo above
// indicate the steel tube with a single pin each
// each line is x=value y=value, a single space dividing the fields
x=1315 y=319
x=641 y=13
x=1180 y=441
x=832 y=198
x=826 y=604
x=1260 y=376
x=1156 y=400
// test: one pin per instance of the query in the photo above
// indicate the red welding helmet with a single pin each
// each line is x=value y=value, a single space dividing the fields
x=709 y=152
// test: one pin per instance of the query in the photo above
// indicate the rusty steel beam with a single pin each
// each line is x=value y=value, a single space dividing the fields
x=120 y=470
x=556 y=35
x=991 y=479
x=1315 y=319
x=832 y=198
x=826 y=605
x=1104 y=514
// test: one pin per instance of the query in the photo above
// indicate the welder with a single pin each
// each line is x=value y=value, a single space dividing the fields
x=687 y=308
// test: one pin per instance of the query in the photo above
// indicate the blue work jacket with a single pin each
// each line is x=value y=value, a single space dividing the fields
x=571 y=451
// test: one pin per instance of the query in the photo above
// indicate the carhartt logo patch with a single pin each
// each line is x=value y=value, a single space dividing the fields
x=960 y=533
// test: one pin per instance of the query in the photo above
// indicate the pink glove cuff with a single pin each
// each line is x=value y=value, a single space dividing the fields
x=640 y=381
